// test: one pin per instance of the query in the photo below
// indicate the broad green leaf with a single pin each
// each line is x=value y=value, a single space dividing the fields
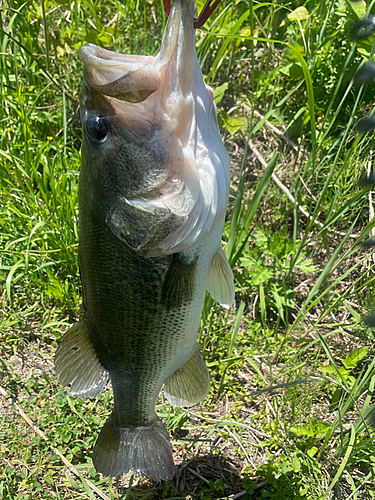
x=104 y=38
x=293 y=70
x=219 y=92
x=6 y=155
x=301 y=430
x=246 y=31
x=336 y=396
x=299 y=14
x=331 y=371
x=73 y=483
x=359 y=7
x=311 y=451
x=296 y=464
x=279 y=303
x=307 y=266
x=247 y=262
x=314 y=429
x=328 y=370
x=364 y=51
x=262 y=277
x=343 y=372
x=353 y=358
x=320 y=428
x=234 y=125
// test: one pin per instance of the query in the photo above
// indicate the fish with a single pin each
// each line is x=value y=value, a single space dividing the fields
x=365 y=125
x=365 y=75
x=368 y=244
x=362 y=28
x=153 y=195
x=367 y=180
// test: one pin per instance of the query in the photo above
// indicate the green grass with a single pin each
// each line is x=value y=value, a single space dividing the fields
x=292 y=365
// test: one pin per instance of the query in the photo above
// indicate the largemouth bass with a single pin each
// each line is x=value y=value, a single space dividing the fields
x=153 y=195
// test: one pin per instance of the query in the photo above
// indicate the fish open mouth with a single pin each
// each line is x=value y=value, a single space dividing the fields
x=167 y=93
x=133 y=78
x=117 y=75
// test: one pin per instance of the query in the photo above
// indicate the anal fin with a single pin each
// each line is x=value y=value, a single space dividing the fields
x=190 y=384
x=220 y=281
x=77 y=365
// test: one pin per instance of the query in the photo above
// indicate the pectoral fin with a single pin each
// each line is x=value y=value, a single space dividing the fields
x=178 y=286
x=190 y=384
x=77 y=364
x=220 y=284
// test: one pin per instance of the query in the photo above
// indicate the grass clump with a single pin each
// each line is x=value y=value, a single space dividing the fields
x=292 y=365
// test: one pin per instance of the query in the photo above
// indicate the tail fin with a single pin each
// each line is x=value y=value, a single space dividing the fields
x=144 y=450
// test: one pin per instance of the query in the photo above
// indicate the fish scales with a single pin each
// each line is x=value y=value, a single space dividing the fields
x=132 y=329
x=153 y=194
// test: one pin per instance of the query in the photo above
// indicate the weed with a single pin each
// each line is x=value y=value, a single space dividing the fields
x=292 y=366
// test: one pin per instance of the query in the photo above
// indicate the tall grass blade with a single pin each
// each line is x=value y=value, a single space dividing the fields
x=243 y=219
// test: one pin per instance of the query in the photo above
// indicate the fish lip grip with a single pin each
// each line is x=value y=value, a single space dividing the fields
x=206 y=12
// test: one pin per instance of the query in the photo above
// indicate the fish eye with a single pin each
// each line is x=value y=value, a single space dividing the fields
x=97 y=128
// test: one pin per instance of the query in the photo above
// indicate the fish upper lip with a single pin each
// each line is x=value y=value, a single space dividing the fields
x=128 y=78
x=104 y=67
x=93 y=55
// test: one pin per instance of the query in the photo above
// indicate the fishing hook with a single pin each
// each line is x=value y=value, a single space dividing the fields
x=203 y=16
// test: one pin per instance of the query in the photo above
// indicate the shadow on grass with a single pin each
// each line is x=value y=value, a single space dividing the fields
x=206 y=477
